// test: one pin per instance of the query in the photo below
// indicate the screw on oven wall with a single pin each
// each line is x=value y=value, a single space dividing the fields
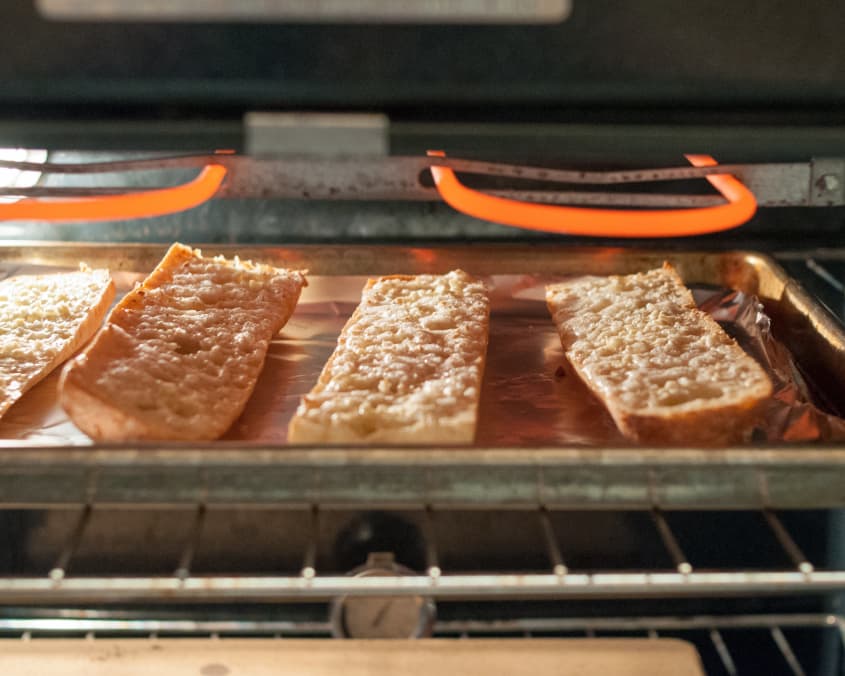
x=828 y=182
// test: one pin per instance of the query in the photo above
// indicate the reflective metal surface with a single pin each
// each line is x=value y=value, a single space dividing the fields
x=232 y=472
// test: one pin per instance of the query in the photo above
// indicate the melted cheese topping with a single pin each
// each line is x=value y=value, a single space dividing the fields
x=40 y=318
x=640 y=341
x=408 y=365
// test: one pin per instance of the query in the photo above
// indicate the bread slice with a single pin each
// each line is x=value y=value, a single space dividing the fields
x=44 y=320
x=407 y=367
x=666 y=371
x=179 y=356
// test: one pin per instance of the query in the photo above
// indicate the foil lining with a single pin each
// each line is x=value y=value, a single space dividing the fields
x=791 y=414
x=530 y=397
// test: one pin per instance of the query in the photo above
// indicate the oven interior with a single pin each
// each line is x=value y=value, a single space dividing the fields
x=755 y=582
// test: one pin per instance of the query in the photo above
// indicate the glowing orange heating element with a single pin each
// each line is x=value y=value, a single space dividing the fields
x=603 y=222
x=548 y=218
x=117 y=207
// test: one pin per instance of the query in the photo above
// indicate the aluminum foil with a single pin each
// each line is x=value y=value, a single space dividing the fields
x=530 y=397
x=791 y=414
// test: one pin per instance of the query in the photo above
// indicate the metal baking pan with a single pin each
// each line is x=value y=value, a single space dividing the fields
x=506 y=469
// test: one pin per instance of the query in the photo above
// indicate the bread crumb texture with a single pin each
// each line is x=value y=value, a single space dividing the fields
x=181 y=353
x=407 y=367
x=643 y=346
x=44 y=318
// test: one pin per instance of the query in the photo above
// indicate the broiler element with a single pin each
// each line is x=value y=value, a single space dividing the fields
x=507 y=193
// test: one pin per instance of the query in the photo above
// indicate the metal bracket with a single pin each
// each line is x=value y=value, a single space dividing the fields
x=827 y=182
x=321 y=134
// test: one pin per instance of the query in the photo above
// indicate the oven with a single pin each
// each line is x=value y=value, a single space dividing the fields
x=532 y=545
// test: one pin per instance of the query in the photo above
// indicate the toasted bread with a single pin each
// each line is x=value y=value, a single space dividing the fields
x=407 y=367
x=180 y=354
x=666 y=371
x=45 y=319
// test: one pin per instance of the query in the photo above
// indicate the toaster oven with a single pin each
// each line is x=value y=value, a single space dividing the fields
x=320 y=122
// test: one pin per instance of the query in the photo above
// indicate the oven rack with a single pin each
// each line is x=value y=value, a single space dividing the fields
x=659 y=567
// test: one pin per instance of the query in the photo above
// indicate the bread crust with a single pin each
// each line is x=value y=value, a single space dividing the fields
x=121 y=354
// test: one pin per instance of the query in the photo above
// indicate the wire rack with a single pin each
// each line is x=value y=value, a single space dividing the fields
x=458 y=554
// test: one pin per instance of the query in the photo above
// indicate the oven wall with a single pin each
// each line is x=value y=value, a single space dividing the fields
x=761 y=53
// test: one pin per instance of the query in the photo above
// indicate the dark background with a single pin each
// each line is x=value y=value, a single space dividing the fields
x=759 y=55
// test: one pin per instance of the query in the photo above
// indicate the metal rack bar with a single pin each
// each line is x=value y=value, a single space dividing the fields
x=787 y=652
x=786 y=541
x=183 y=570
x=723 y=652
x=156 y=626
x=484 y=585
x=309 y=562
x=558 y=566
x=841 y=625
x=59 y=569
x=432 y=562
x=682 y=565
x=825 y=274
x=655 y=623
x=110 y=621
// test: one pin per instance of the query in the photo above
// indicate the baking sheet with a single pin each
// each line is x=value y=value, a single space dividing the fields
x=529 y=397
x=783 y=476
